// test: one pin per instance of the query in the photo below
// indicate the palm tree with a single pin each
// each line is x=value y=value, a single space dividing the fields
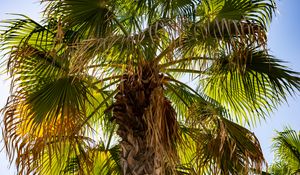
x=101 y=86
x=286 y=146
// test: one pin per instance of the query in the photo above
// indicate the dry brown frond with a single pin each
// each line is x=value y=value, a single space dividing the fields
x=36 y=145
x=222 y=146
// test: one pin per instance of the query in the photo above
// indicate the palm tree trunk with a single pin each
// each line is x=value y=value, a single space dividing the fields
x=147 y=125
x=137 y=158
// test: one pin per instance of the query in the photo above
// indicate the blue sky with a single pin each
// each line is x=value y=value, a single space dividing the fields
x=284 y=37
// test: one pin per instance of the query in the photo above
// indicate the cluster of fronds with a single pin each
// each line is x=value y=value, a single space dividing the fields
x=97 y=69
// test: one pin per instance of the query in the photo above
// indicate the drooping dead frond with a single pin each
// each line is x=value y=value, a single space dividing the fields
x=221 y=146
x=162 y=128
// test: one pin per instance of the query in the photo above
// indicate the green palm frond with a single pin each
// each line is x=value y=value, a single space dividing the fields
x=226 y=25
x=25 y=30
x=280 y=168
x=43 y=110
x=258 y=11
x=53 y=157
x=104 y=161
x=286 y=145
x=48 y=106
x=88 y=18
x=181 y=96
x=250 y=87
x=100 y=18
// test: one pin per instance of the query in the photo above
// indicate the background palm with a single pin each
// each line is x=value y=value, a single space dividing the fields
x=286 y=145
x=94 y=68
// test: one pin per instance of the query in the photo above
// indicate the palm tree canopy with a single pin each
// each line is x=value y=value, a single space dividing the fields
x=89 y=64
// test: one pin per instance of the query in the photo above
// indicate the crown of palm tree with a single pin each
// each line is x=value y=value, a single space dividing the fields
x=100 y=86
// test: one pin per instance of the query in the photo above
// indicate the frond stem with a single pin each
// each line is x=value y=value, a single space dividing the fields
x=186 y=71
x=183 y=60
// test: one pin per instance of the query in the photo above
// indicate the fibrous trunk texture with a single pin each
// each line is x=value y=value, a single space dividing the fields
x=147 y=124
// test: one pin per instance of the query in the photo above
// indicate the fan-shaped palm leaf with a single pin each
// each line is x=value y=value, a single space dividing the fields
x=259 y=77
x=287 y=151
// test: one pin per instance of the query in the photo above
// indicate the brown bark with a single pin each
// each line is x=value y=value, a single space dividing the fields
x=147 y=124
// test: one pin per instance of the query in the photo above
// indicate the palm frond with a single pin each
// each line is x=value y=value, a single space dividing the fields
x=250 y=87
x=104 y=161
x=227 y=25
x=49 y=108
x=286 y=145
x=87 y=18
x=257 y=11
x=220 y=145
